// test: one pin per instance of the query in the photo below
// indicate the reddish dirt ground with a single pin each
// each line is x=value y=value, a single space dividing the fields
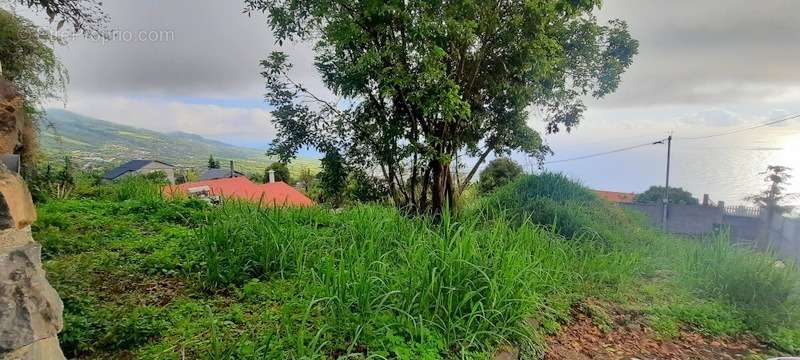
x=630 y=339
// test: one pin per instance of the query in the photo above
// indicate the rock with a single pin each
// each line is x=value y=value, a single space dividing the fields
x=11 y=124
x=571 y=355
x=30 y=309
x=45 y=349
x=16 y=205
x=12 y=238
x=506 y=353
x=7 y=90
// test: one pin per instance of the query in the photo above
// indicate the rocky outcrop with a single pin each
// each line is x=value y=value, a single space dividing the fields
x=46 y=349
x=30 y=309
x=12 y=121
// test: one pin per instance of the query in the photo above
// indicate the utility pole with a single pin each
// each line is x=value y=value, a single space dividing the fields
x=666 y=190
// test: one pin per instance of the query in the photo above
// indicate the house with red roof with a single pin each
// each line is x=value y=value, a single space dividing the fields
x=276 y=193
x=617 y=197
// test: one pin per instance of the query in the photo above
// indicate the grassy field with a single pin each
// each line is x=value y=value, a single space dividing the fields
x=153 y=279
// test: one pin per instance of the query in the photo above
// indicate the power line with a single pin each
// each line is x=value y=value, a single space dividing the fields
x=605 y=152
x=769 y=123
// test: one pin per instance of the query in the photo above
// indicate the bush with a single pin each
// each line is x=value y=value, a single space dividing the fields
x=281 y=172
x=497 y=173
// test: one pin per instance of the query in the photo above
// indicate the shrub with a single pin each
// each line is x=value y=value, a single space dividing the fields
x=497 y=173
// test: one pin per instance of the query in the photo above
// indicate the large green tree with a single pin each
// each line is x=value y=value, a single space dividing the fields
x=422 y=82
x=774 y=198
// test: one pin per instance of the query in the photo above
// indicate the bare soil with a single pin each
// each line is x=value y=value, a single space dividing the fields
x=630 y=338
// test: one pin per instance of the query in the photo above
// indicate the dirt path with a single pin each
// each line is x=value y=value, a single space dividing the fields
x=631 y=339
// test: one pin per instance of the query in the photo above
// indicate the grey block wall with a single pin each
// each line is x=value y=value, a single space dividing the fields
x=696 y=220
x=682 y=219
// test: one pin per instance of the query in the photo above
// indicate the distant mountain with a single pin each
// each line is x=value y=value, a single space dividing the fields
x=97 y=143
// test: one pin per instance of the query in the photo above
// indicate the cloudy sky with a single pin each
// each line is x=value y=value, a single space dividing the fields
x=704 y=67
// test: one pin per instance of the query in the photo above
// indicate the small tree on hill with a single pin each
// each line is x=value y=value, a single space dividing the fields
x=774 y=199
x=499 y=172
x=281 y=172
x=212 y=164
x=306 y=178
x=655 y=195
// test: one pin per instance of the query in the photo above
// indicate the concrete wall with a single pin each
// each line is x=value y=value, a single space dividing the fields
x=784 y=236
x=743 y=229
x=682 y=219
x=698 y=220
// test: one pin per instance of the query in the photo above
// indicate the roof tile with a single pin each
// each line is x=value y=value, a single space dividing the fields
x=271 y=194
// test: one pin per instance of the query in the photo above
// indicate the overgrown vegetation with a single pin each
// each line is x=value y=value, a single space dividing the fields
x=181 y=279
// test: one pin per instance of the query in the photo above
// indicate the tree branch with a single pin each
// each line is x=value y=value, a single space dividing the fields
x=474 y=169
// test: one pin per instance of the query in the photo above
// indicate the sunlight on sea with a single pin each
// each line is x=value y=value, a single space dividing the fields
x=727 y=169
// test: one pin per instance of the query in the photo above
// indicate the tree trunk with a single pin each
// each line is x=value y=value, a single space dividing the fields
x=441 y=190
x=450 y=191
x=423 y=195
x=437 y=190
x=392 y=185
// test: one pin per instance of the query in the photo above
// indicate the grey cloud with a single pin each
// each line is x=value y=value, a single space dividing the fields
x=713 y=118
x=213 y=51
x=708 y=52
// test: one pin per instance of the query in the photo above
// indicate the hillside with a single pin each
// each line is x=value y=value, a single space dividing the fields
x=540 y=268
x=95 y=143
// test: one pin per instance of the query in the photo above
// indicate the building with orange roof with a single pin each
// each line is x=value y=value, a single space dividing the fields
x=271 y=194
x=617 y=197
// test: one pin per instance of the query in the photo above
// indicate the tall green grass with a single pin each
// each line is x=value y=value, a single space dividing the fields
x=138 y=188
x=765 y=293
x=460 y=284
x=315 y=283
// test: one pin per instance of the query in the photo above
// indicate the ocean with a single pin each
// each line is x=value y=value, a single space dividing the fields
x=727 y=169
